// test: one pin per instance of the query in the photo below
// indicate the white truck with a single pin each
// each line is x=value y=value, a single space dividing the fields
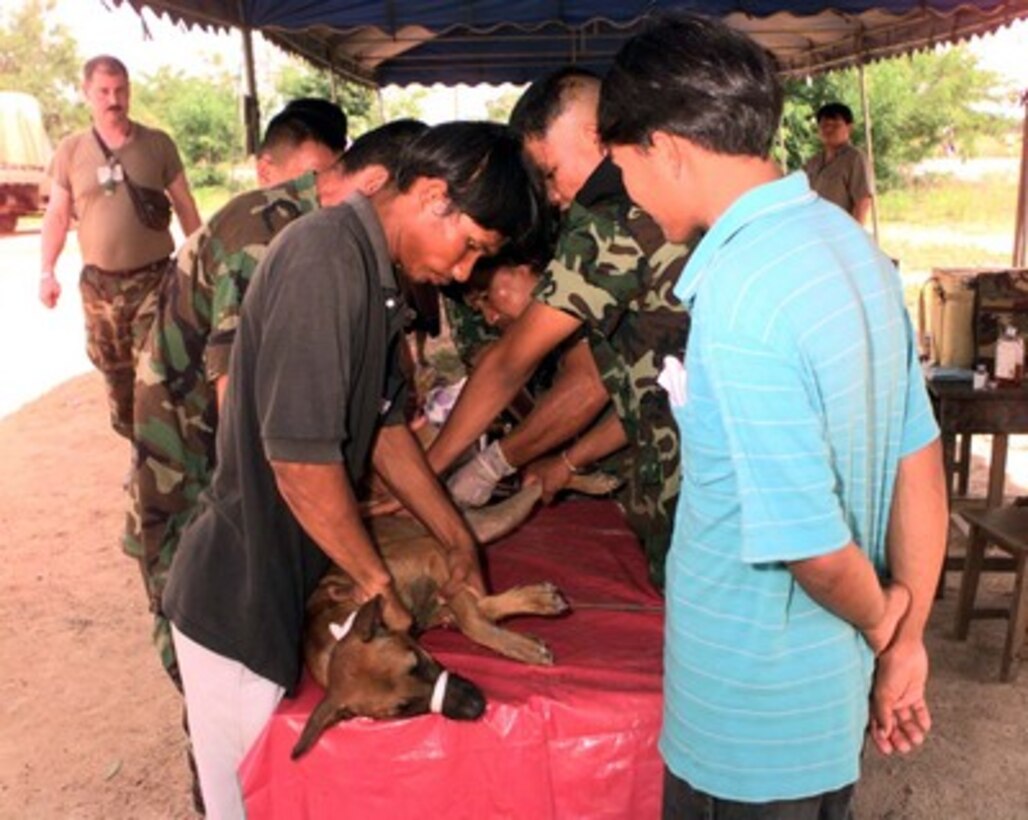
x=24 y=156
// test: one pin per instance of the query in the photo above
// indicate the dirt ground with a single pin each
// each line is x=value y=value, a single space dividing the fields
x=90 y=725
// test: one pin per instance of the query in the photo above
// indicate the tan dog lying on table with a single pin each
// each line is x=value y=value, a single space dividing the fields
x=368 y=670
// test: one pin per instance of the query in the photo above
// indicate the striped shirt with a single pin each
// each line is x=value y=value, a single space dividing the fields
x=803 y=393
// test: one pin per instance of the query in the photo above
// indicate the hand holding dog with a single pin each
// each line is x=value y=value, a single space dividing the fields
x=551 y=472
x=465 y=572
x=394 y=613
x=473 y=484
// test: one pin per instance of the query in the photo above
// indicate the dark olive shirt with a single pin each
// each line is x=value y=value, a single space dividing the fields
x=843 y=179
x=313 y=374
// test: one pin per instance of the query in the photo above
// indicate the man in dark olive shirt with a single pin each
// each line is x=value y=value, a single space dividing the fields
x=314 y=391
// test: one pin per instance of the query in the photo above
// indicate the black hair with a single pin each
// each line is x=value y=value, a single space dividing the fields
x=534 y=250
x=835 y=110
x=485 y=175
x=382 y=146
x=306 y=118
x=545 y=100
x=696 y=78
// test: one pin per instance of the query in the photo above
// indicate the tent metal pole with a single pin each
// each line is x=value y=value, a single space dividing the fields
x=866 y=109
x=251 y=107
x=1021 y=227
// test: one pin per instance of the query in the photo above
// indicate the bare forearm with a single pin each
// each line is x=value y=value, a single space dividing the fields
x=605 y=438
x=52 y=237
x=861 y=209
x=188 y=218
x=918 y=525
x=576 y=398
x=184 y=204
x=321 y=498
x=220 y=388
x=401 y=463
x=496 y=379
x=845 y=583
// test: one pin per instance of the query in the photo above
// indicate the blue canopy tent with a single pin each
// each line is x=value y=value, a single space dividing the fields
x=401 y=42
x=494 y=41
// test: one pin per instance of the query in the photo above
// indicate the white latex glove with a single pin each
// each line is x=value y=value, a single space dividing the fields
x=473 y=484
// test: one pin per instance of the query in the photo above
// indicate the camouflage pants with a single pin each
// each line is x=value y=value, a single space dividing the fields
x=118 y=307
x=172 y=466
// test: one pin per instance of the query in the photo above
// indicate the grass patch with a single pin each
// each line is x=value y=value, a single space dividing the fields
x=210 y=198
x=918 y=254
x=988 y=204
x=940 y=222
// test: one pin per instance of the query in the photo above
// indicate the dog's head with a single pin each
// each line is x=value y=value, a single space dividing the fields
x=379 y=673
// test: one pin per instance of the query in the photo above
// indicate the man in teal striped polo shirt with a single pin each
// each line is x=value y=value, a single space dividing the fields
x=812 y=519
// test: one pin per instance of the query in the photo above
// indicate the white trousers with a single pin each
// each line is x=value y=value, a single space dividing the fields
x=227 y=706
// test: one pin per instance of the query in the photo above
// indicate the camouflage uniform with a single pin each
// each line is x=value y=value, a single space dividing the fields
x=186 y=351
x=118 y=310
x=613 y=270
x=468 y=329
x=471 y=334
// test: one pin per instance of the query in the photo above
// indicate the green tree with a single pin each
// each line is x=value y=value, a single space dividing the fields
x=202 y=116
x=401 y=103
x=365 y=107
x=299 y=79
x=39 y=57
x=498 y=109
x=916 y=103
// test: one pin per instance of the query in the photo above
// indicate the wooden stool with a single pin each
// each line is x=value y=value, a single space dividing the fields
x=1007 y=528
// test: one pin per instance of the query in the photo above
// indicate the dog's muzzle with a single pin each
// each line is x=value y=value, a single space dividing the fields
x=457 y=698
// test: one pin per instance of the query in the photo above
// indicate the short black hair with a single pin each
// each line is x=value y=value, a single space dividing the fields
x=545 y=99
x=696 y=78
x=485 y=175
x=835 y=110
x=382 y=146
x=535 y=250
x=306 y=118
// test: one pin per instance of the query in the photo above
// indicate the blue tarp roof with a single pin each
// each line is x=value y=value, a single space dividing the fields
x=473 y=41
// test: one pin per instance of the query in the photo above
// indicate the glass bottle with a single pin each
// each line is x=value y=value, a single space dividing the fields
x=1009 y=358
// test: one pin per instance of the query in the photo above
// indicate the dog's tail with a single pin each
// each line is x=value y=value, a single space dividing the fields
x=325 y=714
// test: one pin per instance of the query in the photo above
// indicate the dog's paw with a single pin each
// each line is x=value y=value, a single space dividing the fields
x=535 y=651
x=544 y=599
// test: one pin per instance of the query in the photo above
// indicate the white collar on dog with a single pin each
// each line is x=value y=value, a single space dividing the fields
x=340 y=631
x=439 y=693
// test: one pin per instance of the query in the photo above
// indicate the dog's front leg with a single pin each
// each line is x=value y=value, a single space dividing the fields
x=534 y=599
x=471 y=620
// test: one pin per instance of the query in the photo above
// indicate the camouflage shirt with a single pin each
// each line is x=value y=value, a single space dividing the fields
x=613 y=270
x=468 y=330
x=187 y=350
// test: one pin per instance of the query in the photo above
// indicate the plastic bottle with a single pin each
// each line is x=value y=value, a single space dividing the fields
x=980 y=379
x=1010 y=358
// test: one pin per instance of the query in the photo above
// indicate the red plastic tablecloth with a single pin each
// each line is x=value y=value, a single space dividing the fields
x=574 y=740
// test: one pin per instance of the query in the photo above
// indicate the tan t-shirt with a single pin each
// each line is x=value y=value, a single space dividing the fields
x=110 y=234
x=843 y=179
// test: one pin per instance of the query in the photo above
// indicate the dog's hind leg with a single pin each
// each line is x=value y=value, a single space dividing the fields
x=471 y=621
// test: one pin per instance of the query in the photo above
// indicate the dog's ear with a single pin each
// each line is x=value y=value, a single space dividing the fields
x=325 y=714
x=369 y=619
